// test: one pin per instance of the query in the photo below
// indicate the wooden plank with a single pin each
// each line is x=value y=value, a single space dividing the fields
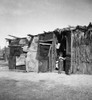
x=45 y=40
x=53 y=53
x=71 y=69
x=50 y=58
x=45 y=43
x=14 y=37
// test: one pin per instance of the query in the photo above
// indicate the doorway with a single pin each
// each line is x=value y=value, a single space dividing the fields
x=64 y=40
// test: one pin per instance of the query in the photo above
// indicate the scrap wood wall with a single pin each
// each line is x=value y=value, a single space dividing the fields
x=82 y=50
x=46 y=52
x=16 y=55
x=14 y=51
x=40 y=54
x=52 y=54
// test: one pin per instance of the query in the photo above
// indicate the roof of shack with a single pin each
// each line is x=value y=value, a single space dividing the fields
x=57 y=31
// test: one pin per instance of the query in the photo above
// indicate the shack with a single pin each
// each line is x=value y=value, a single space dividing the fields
x=77 y=49
x=17 y=53
x=43 y=53
x=40 y=53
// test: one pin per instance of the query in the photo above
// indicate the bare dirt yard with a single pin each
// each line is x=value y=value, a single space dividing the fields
x=17 y=85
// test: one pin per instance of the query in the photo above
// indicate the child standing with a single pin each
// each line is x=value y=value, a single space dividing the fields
x=60 y=64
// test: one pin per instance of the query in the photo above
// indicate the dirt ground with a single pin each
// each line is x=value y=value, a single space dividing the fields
x=17 y=85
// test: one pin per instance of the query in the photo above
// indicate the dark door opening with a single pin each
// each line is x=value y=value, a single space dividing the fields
x=63 y=52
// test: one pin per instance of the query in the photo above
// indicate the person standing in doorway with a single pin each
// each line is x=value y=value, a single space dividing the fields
x=60 y=63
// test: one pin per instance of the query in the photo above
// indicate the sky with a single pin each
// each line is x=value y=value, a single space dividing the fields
x=22 y=17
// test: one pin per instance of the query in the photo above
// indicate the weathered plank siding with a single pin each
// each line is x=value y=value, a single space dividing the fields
x=16 y=58
x=81 y=52
x=47 y=52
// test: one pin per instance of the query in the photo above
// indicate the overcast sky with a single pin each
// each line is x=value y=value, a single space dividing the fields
x=22 y=17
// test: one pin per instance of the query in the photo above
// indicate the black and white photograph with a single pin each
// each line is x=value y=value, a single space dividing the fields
x=45 y=49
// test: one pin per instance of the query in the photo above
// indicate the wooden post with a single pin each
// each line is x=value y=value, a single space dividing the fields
x=53 y=53
x=71 y=51
x=50 y=58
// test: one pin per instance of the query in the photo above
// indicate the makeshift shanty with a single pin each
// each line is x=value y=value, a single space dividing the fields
x=78 y=49
x=17 y=53
x=41 y=52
